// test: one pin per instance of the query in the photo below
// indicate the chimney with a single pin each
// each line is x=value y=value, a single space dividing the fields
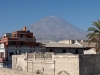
x=24 y=29
x=70 y=41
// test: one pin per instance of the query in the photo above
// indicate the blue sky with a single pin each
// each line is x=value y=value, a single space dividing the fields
x=14 y=14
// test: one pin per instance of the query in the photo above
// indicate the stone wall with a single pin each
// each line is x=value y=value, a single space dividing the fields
x=66 y=65
x=48 y=63
x=57 y=64
x=41 y=63
x=41 y=67
x=89 y=64
x=5 y=71
x=19 y=62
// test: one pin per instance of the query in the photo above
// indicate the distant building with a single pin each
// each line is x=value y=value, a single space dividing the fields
x=67 y=41
x=64 y=48
x=15 y=43
x=89 y=49
x=71 y=41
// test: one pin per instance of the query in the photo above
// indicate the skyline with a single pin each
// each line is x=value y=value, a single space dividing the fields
x=18 y=13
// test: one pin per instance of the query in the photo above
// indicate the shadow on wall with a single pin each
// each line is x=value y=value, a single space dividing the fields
x=89 y=64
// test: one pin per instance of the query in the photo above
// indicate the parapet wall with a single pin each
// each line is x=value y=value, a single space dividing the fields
x=39 y=55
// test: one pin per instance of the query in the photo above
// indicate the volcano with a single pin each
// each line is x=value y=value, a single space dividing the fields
x=55 y=28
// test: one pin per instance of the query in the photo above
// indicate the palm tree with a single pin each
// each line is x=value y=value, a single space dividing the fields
x=94 y=35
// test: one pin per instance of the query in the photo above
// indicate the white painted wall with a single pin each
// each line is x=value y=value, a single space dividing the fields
x=1 y=45
x=90 y=51
x=65 y=41
x=1 y=65
x=2 y=50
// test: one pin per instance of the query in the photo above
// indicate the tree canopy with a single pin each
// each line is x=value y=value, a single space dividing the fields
x=94 y=35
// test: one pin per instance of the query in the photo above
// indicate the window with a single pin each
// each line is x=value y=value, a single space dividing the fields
x=21 y=43
x=12 y=43
x=76 y=51
x=11 y=53
x=51 y=50
x=21 y=35
x=64 y=50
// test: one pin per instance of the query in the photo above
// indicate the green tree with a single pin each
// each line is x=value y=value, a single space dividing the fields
x=94 y=35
